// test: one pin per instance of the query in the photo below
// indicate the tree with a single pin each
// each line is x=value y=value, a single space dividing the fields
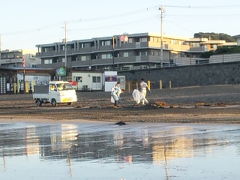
x=222 y=50
x=215 y=36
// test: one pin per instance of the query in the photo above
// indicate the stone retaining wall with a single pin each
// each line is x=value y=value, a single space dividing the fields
x=197 y=75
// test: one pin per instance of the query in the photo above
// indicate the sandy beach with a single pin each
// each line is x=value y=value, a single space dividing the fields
x=207 y=104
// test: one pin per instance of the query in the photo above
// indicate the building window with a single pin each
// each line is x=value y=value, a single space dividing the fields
x=93 y=56
x=213 y=46
x=83 y=58
x=96 y=79
x=87 y=45
x=74 y=58
x=84 y=45
x=130 y=40
x=106 y=43
x=78 y=78
x=55 y=60
x=78 y=58
x=81 y=45
x=10 y=55
x=47 y=61
x=174 y=41
x=125 y=54
x=143 y=39
x=195 y=44
x=106 y=56
x=61 y=59
x=144 y=53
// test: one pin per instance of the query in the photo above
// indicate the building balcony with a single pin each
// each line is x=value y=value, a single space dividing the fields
x=117 y=60
x=96 y=62
x=10 y=61
x=86 y=63
x=54 y=65
x=109 y=62
x=136 y=45
x=86 y=50
x=198 y=49
x=50 y=54
x=104 y=48
x=62 y=52
x=89 y=50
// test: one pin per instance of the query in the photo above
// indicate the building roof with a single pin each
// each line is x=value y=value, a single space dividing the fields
x=197 y=40
x=237 y=36
x=110 y=37
x=214 y=42
x=21 y=68
x=87 y=71
x=23 y=51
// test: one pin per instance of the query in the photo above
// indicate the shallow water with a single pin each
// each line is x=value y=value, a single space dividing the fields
x=107 y=151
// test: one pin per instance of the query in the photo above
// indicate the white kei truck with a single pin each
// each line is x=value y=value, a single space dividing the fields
x=55 y=92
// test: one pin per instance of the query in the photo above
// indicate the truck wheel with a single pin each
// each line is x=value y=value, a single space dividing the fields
x=39 y=102
x=69 y=103
x=54 y=102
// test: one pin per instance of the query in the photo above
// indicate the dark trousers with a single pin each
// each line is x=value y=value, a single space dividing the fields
x=115 y=103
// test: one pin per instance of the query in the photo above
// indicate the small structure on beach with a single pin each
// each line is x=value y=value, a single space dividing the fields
x=20 y=80
x=87 y=80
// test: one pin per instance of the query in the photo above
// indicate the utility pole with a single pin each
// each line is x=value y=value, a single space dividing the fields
x=161 y=9
x=24 y=73
x=113 y=46
x=65 y=47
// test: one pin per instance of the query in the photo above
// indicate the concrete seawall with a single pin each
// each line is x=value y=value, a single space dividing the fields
x=197 y=75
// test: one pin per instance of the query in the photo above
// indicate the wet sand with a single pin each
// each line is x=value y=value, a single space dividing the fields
x=73 y=151
x=208 y=104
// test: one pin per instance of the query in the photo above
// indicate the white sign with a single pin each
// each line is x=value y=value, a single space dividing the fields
x=110 y=79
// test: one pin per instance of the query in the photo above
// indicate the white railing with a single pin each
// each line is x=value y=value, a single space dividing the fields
x=224 y=58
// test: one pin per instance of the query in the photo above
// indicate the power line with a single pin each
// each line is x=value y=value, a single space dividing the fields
x=31 y=30
x=125 y=14
x=120 y=15
x=112 y=25
x=203 y=7
x=191 y=15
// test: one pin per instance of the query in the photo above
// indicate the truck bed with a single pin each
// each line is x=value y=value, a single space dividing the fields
x=40 y=96
x=41 y=89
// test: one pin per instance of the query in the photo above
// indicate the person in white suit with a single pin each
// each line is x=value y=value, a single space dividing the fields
x=143 y=90
x=115 y=94
x=137 y=96
x=140 y=96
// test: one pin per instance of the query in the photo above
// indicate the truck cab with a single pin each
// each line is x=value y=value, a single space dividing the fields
x=55 y=92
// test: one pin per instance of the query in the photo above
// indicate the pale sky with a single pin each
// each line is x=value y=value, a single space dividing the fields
x=26 y=23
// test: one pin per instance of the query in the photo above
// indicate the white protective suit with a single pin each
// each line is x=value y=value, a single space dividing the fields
x=143 y=92
x=137 y=96
x=115 y=94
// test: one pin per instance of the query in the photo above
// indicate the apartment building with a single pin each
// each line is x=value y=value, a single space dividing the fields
x=125 y=52
x=18 y=58
x=237 y=37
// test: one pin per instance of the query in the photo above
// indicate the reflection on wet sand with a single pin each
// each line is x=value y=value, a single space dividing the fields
x=74 y=143
x=179 y=148
x=66 y=140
